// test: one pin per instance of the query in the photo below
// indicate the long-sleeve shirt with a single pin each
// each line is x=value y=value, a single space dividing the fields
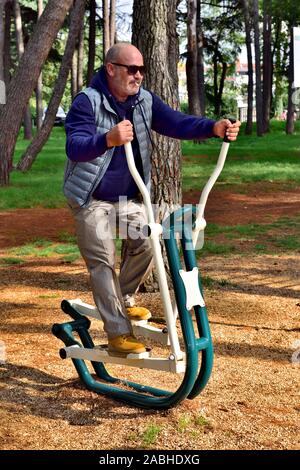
x=85 y=144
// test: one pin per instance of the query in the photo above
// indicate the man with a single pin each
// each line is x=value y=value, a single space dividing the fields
x=115 y=110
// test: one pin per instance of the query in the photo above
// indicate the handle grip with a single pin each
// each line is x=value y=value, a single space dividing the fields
x=226 y=138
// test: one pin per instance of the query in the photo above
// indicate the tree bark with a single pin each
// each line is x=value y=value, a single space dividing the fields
x=192 y=60
x=106 y=34
x=154 y=27
x=218 y=103
x=154 y=33
x=249 y=124
x=41 y=138
x=267 y=65
x=112 y=22
x=39 y=87
x=290 y=125
x=216 y=59
x=80 y=57
x=200 y=59
x=20 y=48
x=92 y=41
x=7 y=62
x=278 y=101
x=24 y=80
x=2 y=40
x=74 y=70
x=258 y=85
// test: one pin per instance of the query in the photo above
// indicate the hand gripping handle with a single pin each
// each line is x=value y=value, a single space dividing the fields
x=226 y=138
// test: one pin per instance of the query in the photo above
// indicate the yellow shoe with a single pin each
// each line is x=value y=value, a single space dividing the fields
x=125 y=344
x=138 y=313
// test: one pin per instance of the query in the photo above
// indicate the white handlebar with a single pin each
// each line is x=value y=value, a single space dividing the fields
x=139 y=182
x=200 y=222
x=156 y=230
x=213 y=178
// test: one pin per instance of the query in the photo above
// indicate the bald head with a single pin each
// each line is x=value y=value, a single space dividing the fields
x=122 y=51
x=119 y=61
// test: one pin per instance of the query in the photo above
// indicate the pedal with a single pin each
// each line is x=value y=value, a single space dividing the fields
x=139 y=322
x=143 y=355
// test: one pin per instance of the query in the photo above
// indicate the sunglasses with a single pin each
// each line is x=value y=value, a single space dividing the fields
x=132 y=69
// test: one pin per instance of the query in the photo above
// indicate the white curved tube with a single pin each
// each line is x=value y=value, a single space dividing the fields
x=206 y=190
x=157 y=255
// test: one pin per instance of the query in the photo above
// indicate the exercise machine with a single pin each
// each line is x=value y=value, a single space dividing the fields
x=194 y=362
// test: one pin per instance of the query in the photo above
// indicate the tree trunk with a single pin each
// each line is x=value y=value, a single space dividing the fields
x=39 y=87
x=41 y=138
x=289 y=129
x=215 y=79
x=20 y=48
x=24 y=80
x=192 y=60
x=267 y=65
x=92 y=41
x=154 y=33
x=249 y=124
x=258 y=87
x=7 y=62
x=27 y=124
x=2 y=39
x=218 y=104
x=200 y=59
x=74 y=70
x=278 y=101
x=112 y=22
x=80 y=57
x=154 y=24
x=106 y=34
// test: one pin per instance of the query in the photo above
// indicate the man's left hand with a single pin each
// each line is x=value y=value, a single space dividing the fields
x=225 y=127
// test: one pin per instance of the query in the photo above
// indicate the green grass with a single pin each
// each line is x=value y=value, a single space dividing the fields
x=68 y=252
x=211 y=247
x=183 y=422
x=210 y=283
x=188 y=423
x=249 y=230
x=11 y=261
x=273 y=157
x=42 y=185
x=288 y=243
x=283 y=235
x=150 y=434
x=201 y=421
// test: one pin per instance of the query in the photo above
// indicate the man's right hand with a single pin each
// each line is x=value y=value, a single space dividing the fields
x=120 y=134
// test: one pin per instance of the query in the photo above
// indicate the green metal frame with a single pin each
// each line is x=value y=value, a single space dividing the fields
x=196 y=374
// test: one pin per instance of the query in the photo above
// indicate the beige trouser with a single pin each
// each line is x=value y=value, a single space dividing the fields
x=97 y=226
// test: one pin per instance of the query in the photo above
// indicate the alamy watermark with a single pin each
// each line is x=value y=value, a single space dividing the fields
x=125 y=220
x=2 y=92
x=2 y=352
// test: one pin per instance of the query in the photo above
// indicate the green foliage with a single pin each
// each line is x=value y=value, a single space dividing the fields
x=150 y=434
